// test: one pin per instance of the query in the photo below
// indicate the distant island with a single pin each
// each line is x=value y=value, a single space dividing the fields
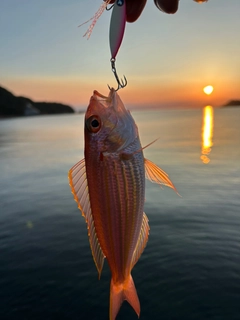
x=13 y=106
x=232 y=103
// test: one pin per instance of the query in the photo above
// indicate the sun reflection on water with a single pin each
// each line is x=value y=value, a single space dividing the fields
x=207 y=133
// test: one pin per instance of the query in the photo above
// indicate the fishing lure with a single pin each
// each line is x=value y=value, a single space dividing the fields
x=116 y=33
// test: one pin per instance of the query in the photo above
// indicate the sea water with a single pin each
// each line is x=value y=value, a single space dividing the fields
x=190 y=268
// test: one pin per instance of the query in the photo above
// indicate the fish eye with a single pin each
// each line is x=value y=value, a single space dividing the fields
x=93 y=124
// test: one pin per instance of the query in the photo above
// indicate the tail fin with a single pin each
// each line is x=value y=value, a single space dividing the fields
x=121 y=292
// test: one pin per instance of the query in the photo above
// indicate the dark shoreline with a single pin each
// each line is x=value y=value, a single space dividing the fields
x=14 y=106
x=232 y=103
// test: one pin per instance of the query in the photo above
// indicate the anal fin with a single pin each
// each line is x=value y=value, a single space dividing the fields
x=142 y=240
x=79 y=187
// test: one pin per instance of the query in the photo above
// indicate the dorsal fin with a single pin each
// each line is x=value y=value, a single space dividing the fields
x=79 y=187
x=142 y=240
x=157 y=175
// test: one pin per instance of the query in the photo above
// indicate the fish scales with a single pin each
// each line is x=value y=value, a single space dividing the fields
x=118 y=194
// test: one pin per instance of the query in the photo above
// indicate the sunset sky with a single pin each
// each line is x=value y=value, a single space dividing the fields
x=167 y=59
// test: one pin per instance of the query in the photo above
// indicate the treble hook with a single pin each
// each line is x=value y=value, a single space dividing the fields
x=122 y=83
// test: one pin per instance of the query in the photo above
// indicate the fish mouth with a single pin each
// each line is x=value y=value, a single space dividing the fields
x=101 y=97
x=112 y=101
x=106 y=101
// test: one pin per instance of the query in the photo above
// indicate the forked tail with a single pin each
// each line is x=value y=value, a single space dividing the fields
x=121 y=292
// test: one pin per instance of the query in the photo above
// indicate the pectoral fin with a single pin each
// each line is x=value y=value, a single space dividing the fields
x=142 y=240
x=79 y=187
x=157 y=175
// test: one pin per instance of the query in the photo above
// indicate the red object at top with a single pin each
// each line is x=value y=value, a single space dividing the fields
x=134 y=8
x=167 y=6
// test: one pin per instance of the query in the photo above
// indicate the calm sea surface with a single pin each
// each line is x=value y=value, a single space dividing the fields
x=190 y=268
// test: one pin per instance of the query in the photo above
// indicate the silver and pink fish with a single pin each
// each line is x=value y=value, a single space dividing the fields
x=109 y=187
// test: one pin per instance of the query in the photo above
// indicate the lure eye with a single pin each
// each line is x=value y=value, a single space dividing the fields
x=93 y=124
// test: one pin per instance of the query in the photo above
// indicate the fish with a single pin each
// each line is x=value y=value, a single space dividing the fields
x=109 y=188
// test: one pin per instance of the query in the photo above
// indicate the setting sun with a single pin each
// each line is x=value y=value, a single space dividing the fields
x=208 y=90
